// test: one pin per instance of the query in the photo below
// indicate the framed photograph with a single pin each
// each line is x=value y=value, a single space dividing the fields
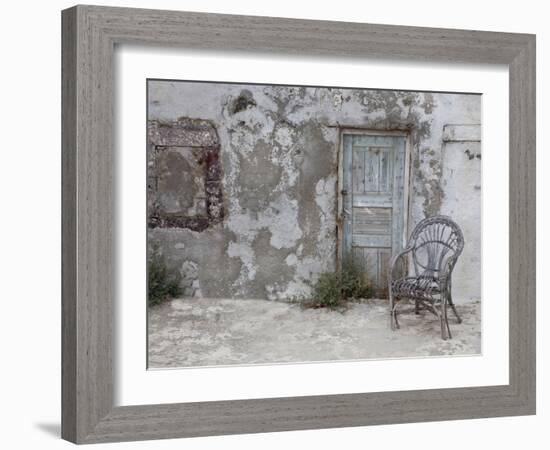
x=278 y=224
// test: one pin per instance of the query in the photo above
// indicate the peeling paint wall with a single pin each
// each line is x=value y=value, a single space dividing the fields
x=278 y=157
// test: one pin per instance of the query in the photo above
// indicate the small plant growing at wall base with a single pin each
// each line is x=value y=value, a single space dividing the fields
x=163 y=283
x=335 y=290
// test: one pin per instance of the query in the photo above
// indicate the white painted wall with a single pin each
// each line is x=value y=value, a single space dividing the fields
x=461 y=175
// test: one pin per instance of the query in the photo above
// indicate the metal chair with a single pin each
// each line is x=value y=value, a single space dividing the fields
x=435 y=245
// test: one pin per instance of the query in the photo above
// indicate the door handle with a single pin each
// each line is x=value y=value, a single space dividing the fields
x=344 y=192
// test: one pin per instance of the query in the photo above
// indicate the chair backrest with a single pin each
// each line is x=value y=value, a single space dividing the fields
x=436 y=241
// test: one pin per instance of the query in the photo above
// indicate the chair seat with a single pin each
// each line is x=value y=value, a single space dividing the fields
x=422 y=287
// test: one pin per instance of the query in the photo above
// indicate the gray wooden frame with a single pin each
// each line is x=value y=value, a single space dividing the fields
x=89 y=36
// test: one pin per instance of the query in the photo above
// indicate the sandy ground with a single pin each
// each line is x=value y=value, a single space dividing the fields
x=207 y=332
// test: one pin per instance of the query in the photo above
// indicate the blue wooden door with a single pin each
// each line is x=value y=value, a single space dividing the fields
x=373 y=202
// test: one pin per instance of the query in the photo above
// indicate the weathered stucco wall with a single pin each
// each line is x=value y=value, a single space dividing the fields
x=277 y=149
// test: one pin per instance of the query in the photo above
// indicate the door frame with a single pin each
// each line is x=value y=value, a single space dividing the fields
x=340 y=183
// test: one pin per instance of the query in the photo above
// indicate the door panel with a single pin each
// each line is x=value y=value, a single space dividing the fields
x=372 y=221
x=373 y=203
x=384 y=257
x=371 y=241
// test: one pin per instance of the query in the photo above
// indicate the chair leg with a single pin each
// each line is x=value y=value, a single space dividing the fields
x=416 y=307
x=452 y=305
x=444 y=315
x=394 y=324
x=439 y=315
x=393 y=313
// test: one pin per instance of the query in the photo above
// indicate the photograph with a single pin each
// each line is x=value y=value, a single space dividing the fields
x=296 y=224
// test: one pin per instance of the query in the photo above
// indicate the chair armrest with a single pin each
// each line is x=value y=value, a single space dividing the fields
x=446 y=272
x=394 y=260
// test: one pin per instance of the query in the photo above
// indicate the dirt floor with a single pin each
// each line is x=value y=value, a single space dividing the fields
x=208 y=332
